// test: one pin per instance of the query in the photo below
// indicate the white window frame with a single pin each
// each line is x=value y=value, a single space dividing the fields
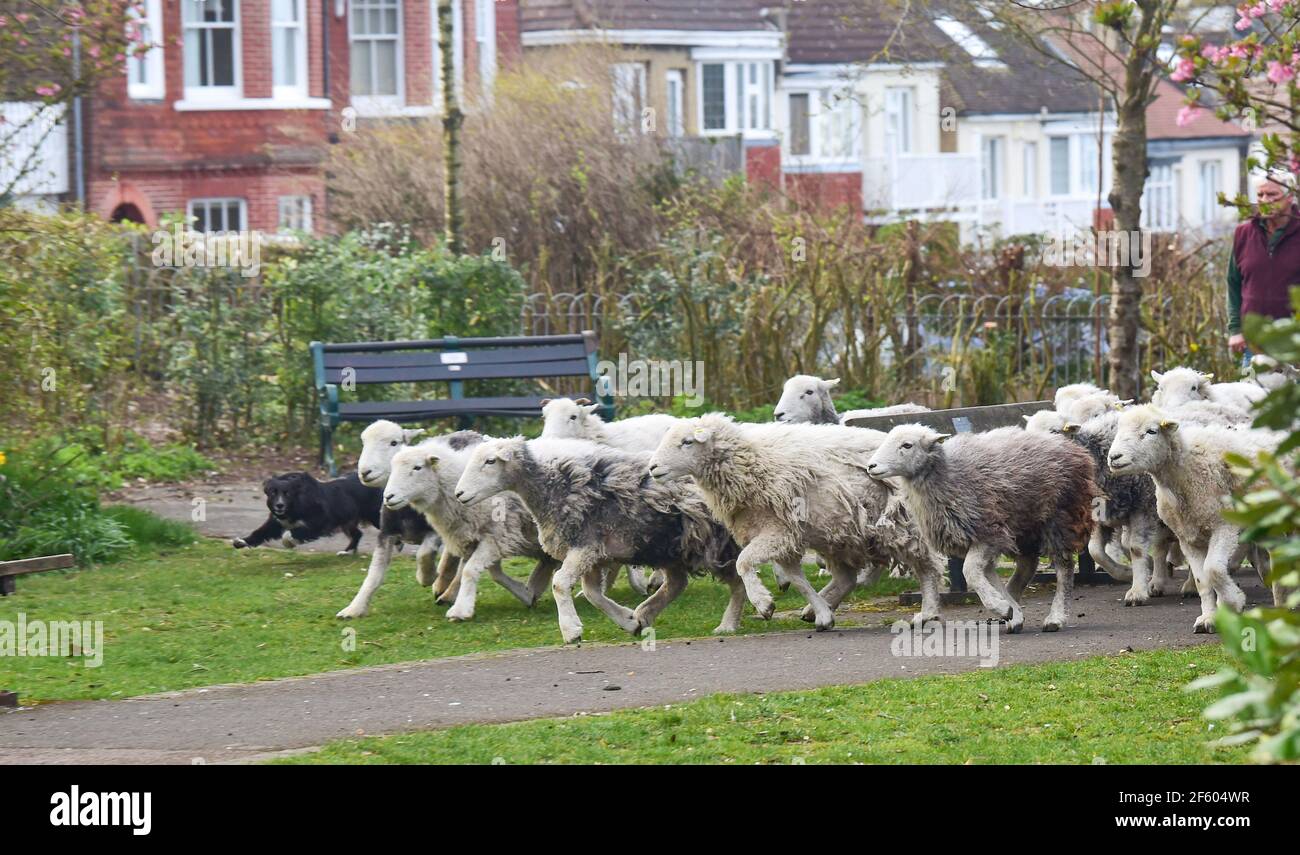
x=304 y=205
x=379 y=104
x=748 y=87
x=629 y=88
x=827 y=110
x=197 y=92
x=1160 y=198
x=299 y=89
x=1209 y=192
x=900 y=120
x=208 y=202
x=675 y=102
x=151 y=63
x=485 y=34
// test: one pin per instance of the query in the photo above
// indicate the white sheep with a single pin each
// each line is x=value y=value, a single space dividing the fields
x=1269 y=374
x=1068 y=394
x=1193 y=485
x=1006 y=491
x=424 y=477
x=595 y=510
x=782 y=490
x=1182 y=385
x=1089 y=407
x=568 y=418
x=807 y=400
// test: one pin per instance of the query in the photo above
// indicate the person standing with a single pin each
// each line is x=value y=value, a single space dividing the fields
x=1265 y=262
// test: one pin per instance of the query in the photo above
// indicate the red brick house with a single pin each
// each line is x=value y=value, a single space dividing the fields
x=228 y=117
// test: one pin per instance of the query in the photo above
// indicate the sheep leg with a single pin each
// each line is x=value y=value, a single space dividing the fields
x=735 y=604
x=1196 y=562
x=540 y=578
x=844 y=578
x=575 y=566
x=1141 y=543
x=426 y=559
x=818 y=610
x=783 y=576
x=375 y=574
x=608 y=576
x=1162 y=579
x=980 y=570
x=1097 y=549
x=1064 y=565
x=637 y=579
x=1222 y=549
x=1263 y=564
x=671 y=589
x=521 y=591
x=929 y=574
x=767 y=548
x=1026 y=569
x=594 y=591
x=445 y=573
x=484 y=556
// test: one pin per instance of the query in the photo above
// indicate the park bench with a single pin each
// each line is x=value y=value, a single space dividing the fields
x=976 y=420
x=342 y=367
x=10 y=570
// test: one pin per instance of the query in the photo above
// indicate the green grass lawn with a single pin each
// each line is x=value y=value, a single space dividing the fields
x=1116 y=709
x=205 y=614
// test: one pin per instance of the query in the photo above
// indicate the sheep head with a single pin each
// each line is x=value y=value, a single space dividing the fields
x=567 y=418
x=379 y=442
x=490 y=469
x=684 y=449
x=414 y=474
x=1046 y=421
x=906 y=452
x=806 y=399
x=1178 y=386
x=1142 y=440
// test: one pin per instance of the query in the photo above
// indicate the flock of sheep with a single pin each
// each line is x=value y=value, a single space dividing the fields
x=1140 y=486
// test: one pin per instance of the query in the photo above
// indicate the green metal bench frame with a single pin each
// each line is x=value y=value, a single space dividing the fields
x=343 y=366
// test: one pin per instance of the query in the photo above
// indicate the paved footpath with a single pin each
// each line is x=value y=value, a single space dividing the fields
x=237 y=723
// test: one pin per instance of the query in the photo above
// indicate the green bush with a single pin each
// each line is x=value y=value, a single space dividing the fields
x=1260 y=697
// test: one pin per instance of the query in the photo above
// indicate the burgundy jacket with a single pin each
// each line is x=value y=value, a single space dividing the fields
x=1262 y=270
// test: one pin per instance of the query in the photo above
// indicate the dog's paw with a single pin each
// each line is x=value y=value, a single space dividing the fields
x=239 y=543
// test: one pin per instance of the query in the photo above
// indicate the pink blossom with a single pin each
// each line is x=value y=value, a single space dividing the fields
x=1188 y=114
x=1185 y=71
x=49 y=90
x=1243 y=23
x=1279 y=73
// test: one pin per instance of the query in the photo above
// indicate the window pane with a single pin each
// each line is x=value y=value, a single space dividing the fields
x=385 y=68
x=714 y=83
x=359 y=19
x=286 y=56
x=233 y=220
x=361 y=68
x=767 y=95
x=799 y=126
x=740 y=95
x=200 y=213
x=223 y=58
x=192 y=57
x=284 y=10
x=1060 y=166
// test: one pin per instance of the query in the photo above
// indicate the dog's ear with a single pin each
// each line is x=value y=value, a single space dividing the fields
x=266 y=485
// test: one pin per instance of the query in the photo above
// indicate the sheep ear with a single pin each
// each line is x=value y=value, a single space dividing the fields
x=413 y=433
x=432 y=460
x=544 y=402
x=1156 y=375
x=830 y=384
x=582 y=402
x=1070 y=428
x=1208 y=378
x=702 y=434
x=1119 y=405
x=941 y=438
x=1168 y=426
x=591 y=408
x=1027 y=418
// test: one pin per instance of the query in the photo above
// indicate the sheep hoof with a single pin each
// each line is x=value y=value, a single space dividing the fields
x=725 y=629
x=239 y=543
x=828 y=624
x=457 y=617
x=919 y=620
x=422 y=578
x=765 y=609
x=1204 y=624
x=1135 y=598
x=808 y=615
x=352 y=612
x=572 y=637
x=1051 y=625
x=783 y=586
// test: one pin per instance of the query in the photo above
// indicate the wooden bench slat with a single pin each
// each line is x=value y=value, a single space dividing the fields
x=515 y=356
x=423 y=410
x=959 y=420
x=459 y=343
x=447 y=373
x=37 y=565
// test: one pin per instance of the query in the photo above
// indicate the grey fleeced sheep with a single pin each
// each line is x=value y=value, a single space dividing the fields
x=1193 y=484
x=1007 y=491
x=595 y=509
x=424 y=477
x=783 y=490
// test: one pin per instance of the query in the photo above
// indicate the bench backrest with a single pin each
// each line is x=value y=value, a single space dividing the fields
x=962 y=420
x=453 y=360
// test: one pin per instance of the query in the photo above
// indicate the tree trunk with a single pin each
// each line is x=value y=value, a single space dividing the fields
x=1129 y=163
x=452 y=119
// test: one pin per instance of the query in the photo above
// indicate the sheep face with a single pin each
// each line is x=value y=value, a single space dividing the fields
x=566 y=418
x=1091 y=406
x=489 y=470
x=1178 y=386
x=379 y=442
x=806 y=399
x=1046 y=421
x=906 y=452
x=682 y=451
x=1068 y=394
x=1142 y=441
x=414 y=474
